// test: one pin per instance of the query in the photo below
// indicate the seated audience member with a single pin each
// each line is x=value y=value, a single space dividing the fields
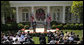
x=49 y=37
x=31 y=40
x=42 y=39
x=27 y=41
x=11 y=41
x=61 y=40
x=71 y=38
x=77 y=39
x=53 y=38
x=52 y=41
x=14 y=37
x=6 y=41
x=65 y=33
x=81 y=42
x=65 y=41
x=71 y=42
x=57 y=39
x=18 y=32
x=16 y=42
x=62 y=34
x=5 y=36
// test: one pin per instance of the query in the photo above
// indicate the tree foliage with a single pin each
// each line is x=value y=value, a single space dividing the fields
x=77 y=9
x=5 y=8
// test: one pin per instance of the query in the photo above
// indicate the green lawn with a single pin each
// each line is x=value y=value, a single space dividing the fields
x=79 y=32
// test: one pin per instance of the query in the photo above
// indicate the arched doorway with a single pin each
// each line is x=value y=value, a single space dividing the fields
x=40 y=14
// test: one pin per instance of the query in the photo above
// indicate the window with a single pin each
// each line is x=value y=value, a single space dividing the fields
x=25 y=17
x=25 y=10
x=54 y=16
x=58 y=16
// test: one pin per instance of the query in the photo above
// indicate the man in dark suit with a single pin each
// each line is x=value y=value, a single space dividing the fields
x=49 y=35
x=45 y=25
x=34 y=26
x=42 y=39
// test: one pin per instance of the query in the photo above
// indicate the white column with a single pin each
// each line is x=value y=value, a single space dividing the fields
x=17 y=16
x=48 y=9
x=32 y=9
x=3 y=19
x=48 y=12
x=33 y=12
x=63 y=20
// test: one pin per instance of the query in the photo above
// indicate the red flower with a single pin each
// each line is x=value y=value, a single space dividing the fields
x=22 y=29
x=57 y=28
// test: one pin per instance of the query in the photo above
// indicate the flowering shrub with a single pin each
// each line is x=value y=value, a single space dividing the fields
x=59 y=26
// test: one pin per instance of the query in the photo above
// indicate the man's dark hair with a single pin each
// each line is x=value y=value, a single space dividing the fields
x=77 y=35
x=16 y=40
x=61 y=31
x=66 y=32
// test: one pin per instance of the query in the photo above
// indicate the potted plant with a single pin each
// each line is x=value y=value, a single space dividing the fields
x=26 y=26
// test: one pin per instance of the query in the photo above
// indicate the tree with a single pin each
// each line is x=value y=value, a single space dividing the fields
x=5 y=7
x=6 y=10
x=77 y=9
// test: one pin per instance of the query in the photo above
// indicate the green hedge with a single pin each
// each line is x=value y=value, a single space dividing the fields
x=20 y=26
x=54 y=23
x=14 y=26
x=53 y=27
x=60 y=26
x=26 y=26
x=3 y=27
x=68 y=26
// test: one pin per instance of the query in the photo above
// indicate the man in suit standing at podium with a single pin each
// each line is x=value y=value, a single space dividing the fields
x=34 y=26
x=45 y=26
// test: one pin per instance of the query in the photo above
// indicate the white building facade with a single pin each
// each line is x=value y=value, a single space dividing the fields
x=40 y=9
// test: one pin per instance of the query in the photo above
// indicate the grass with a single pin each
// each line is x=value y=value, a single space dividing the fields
x=36 y=40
